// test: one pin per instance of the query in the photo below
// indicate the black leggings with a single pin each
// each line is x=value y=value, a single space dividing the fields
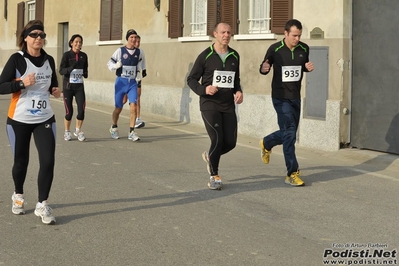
x=222 y=130
x=19 y=137
x=80 y=98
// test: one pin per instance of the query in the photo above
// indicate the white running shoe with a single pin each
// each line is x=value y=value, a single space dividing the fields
x=215 y=182
x=18 y=203
x=45 y=212
x=133 y=136
x=114 y=132
x=81 y=136
x=67 y=135
x=139 y=123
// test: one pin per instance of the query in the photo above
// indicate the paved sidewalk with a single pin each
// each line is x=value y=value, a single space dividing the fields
x=119 y=202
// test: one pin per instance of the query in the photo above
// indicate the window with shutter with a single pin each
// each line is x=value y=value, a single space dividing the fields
x=116 y=19
x=20 y=19
x=229 y=14
x=198 y=15
x=202 y=15
x=222 y=11
x=39 y=10
x=5 y=9
x=31 y=10
x=105 y=20
x=212 y=16
x=111 y=17
x=175 y=18
x=281 y=12
x=259 y=17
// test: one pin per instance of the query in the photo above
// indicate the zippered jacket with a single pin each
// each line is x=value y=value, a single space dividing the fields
x=69 y=62
x=288 y=66
x=201 y=76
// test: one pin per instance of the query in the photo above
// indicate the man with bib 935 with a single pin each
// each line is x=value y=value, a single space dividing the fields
x=290 y=59
x=218 y=68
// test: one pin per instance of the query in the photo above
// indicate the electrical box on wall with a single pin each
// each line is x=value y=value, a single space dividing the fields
x=317 y=33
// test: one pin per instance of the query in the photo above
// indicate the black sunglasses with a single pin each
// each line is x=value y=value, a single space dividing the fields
x=34 y=35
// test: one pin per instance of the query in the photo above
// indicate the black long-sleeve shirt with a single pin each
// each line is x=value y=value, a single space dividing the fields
x=205 y=65
x=17 y=62
x=287 y=77
x=70 y=61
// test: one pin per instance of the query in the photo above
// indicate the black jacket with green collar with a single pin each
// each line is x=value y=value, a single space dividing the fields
x=201 y=76
x=279 y=56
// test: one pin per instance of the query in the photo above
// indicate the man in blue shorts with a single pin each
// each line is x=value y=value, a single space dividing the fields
x=125 y=62
x=139 y=123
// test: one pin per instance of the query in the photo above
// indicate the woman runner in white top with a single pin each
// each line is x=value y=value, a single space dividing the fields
x=29 y=76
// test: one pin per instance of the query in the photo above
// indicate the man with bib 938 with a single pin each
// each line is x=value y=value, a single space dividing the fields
x=218 y=68
x=290 y=59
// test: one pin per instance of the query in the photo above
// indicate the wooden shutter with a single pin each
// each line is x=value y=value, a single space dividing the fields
x=5 y=9
x=229 y=14
x=175 y=19
x=39 y=10
x=212 y=16
x=20 y=19
x=281 y=12
x=116 y=19
x=105 y=20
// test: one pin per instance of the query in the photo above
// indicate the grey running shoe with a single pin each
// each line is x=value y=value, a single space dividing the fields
x=67 y=135
x=133 y=136
x=215 y=182
x=18 y=203
x=45 y=212
x=139 y=123
x=114 y=132
x=81 y=136
x=205 y=157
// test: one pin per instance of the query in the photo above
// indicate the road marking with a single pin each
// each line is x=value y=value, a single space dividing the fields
x=376 y=174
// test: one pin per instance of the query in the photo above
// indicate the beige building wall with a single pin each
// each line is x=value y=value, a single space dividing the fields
x=169 y=60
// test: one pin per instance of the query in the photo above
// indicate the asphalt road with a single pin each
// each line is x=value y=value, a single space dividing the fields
x=119 y=202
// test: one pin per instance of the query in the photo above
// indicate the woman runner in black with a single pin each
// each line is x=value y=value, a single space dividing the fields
x=74 y=66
